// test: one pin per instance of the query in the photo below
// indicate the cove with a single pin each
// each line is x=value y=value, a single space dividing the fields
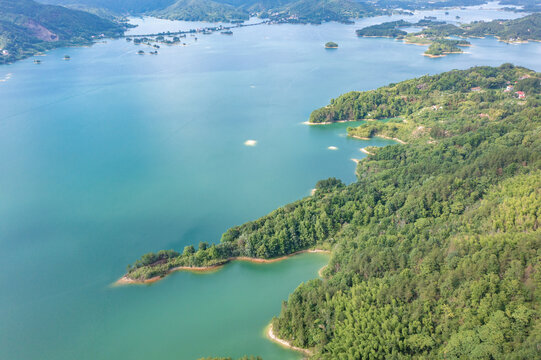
x=111 y=155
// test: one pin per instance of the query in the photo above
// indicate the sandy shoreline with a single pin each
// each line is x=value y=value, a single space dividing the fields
x=320 y=271
x=414 y=43
x=444 y=54
x=390 y=138
x=358 y=137
x=366 y=151
x=328 y=122
x=124 y=280
x=271 y=336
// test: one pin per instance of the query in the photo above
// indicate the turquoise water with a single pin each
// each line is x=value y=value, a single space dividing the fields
x=111 y=155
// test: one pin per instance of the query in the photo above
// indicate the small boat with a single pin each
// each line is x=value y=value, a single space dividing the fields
x=36 y=61
x=67 y=57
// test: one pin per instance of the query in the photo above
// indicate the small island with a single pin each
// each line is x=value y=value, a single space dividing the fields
x=442 y=47
x=67 y=57
x=331 y=45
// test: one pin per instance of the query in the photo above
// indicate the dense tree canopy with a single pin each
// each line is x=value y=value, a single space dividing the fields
x=436 y=247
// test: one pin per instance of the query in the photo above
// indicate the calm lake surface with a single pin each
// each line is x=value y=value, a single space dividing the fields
x=112 y=155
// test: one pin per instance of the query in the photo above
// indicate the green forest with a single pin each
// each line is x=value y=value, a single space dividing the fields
x=436 y=247
x=387 y=29
x=27 y=28
x=442 y=47
x=437 y=34
x=521 y=29
x=194 y=10
x=392 y=28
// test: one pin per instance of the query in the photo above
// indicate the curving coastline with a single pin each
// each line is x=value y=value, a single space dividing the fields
x=320 y=271
x=124 y=280
x=272 y=336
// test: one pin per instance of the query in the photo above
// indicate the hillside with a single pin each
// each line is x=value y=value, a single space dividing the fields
x=208 y=10
x=435 y=249
x=27 y=27
x=296 y=11
x=120 y=7
x=318 y=11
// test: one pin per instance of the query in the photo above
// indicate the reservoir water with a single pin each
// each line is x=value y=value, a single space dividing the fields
x=111 y=155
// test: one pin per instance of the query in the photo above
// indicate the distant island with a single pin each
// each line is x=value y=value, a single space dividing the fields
x=331 y=45
x=437 y=34
x=517 y=30
x=442 y=47
x=435 y=248
x=392 y=28
x=28 y=28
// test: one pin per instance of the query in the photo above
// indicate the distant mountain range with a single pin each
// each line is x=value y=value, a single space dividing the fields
x=193 y=10
x=27 y=27
x=306 y=11
x=302 y=11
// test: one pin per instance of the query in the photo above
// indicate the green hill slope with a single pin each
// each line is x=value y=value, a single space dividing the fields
x=27 y=27
x=435 y=249
x=194 y=10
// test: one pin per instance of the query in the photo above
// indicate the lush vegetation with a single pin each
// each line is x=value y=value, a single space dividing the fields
x=318 y=11
x=331 y=45
x=27 y=28
x=436 y=34
x=192 y=10
x=438 y=255
x=426 y=96
x=435 y=249
x=521 y=29
x=425 y=5
x=388 y=29
x=441 y=47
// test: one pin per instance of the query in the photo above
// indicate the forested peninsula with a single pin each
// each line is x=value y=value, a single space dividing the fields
x=435 y=249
